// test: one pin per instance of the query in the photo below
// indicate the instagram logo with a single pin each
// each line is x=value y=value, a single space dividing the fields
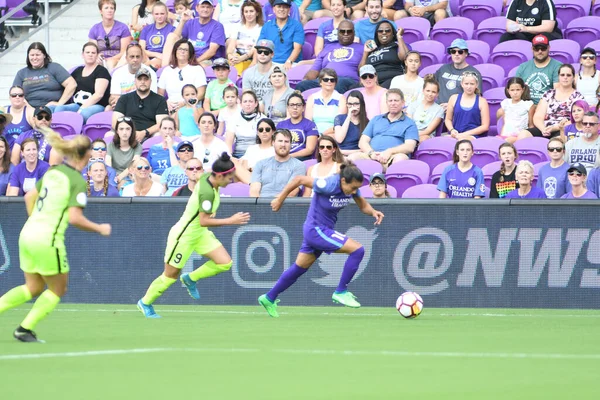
x=256 y=250
x=4 y=256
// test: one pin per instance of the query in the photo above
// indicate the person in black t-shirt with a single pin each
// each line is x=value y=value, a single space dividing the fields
x=193 y=170
x=528 y=18
x=504 y=181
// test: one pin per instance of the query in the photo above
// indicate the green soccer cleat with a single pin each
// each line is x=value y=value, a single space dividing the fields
x=270 y=306
x=345 y=298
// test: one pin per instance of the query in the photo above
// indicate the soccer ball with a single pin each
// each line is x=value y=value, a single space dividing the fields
x=81 y=96
x=409 y=304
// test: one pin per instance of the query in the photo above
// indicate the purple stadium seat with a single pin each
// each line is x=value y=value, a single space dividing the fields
x=296 y=74
x=70 y=69
x=485 y=150
x=536 y=171
x=152 y=141
x=583 y=30
x=568 y=10
x=479 y=10
x=494 y=97
x=210 y=74
x=499 y=125
x=366 y=192
x=311 y=28
x=438 y=171
x=533 y=149
x=97 y=125
x=159 y=73
x=510 y=54
x=431 y=52
x=479 y=52
x=489 y=170
x=308 y=92
x=510 y=74
x=435 y=151
x=492 y=76
x=423 y=191
x=20 y=15
x=490 y=30
x=67 y=123
x=235 y=190
x=309 y=163
x=432 y=69
x=454 y=5
x=368 y=168
x=407 y=173
x=596 y=9
x=415 y=28
x=308 y=53
x=448 y=29
x=565 y=51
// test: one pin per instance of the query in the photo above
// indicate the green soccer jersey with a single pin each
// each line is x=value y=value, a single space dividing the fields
x=60 y=188
x=205 y=198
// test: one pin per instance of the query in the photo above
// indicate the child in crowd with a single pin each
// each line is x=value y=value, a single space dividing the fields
x=187 y=116
x=517 y=109
x=426 y=113
x=410 y=82
x=154 y=36
x=213 y=99
x=468 y=113
x=181 y=6
x=575 y=128
x=231 y=111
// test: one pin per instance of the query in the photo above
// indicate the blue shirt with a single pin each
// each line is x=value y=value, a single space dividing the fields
x=385 y=134
x=274 y=175
x=291 y=33
x=350 y=142
x=327 y=202
x=462 y=185
x=159 y=158
x=174 y=177
x=365 y=29
x=534 y=193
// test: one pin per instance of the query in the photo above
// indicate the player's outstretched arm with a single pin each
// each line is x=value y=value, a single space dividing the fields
x=240 y=218
x=77 y=219
x=294 y=184
x=367 y=209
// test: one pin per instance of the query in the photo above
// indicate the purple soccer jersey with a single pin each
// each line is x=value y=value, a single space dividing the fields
x=43 y=145
x=461 y=185
x=586 y=195
x=344 y=59
x=202 y=36
x=26 y=180
x=534 y=193
x=300 y=132
x=155 y=38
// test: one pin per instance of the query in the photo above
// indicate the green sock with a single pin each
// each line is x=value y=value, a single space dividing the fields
x=208 y=269
x=157 y=288
x=14 y=297
x=41 y=308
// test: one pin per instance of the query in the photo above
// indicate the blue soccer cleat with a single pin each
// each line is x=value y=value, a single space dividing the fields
x=147 y=310
x=190 y=286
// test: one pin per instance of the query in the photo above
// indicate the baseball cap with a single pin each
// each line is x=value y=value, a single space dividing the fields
x=265 y=44
x=367 y=69
x=277 y=69
x=378 y=176
x=540 y=40
x=460 y=44
x=205 y=1
x=220 y=63
x=578 y=167
x=184 y=144
x=143 y=72
x=588 y=50
x=42 y=109
x=282 y=3
x=5 y=118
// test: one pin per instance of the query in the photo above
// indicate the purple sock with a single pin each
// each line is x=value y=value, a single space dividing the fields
x=287 y=279
x=350 y=268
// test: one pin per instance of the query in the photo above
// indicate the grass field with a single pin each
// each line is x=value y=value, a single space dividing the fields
x=112 y=352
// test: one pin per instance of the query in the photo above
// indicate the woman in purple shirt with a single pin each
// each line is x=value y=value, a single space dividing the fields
x=577 y=178
x=330 y=196
x=524 y=174
x=462 y=179
x=26 y=174
x=111 y=36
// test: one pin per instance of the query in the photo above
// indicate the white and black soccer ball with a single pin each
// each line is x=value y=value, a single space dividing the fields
x=409 y=305
x=81 y=96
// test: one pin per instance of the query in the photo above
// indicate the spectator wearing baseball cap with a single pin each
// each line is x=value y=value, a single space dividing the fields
x=256 y=78
x=42 y=118
x=213 y=99
x=588 y=78
x=541 y=72
x=287 y=34
x=175 y=177
x=378 y=185
x=449 y=75
x=269 y=11
x=526 y=19
x=577 y=178
x=240 y=47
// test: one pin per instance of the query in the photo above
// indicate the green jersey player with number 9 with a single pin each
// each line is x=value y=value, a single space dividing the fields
x=57 y=201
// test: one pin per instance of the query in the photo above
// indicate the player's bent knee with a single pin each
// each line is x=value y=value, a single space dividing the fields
x=224 y=267
x=359 y=252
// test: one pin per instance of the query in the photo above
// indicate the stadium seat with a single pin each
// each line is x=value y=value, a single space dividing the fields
x=510 y=54
x=454 y=5
x=499 y=125
x=490 y=30
x=407 y=173
x=67 y=123
x=565 y=51
x=479 y=10
x=423 y=191
x=22 y=17
x=437 y=172
x=479 y=52
x=536 y=171
x=368 y=168
x=308 y=92
x=311 y=28
x=366 y=192
x=513 y=72
x=568 y=10
x=435 y=151
x=237 y=189
x=309 y=163
x=492 y=76
x=432 y=69
x=415 y=28
x=97 y=125
x=448 y=29
x=583 y=29
x=533 y=149
x=308 y=52
x=431 y=52
x=489 y=170
x=296 y=74
x=596 y=9
x=494 y=97
x=485 y=150
x=159 y=73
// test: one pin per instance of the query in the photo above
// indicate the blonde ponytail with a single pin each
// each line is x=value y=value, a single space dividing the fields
x=75 y=148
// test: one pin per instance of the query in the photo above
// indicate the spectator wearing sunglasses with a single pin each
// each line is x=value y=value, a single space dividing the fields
x=329 y=159
x=154 y=35
x=449 y=75
x=584 y=149
x=19 y=116
x=577 y=174
x=175 y=176
x=324 y=105
x=143 y=185
x=123 y=149
x=143 y=106
x=587 y=80
x=269 y=11
x=208 y=147
x=98 y=184
x=99 y=150
x=183 y=69
x=526 y=19
x=123 y=79
x=286 y=33
x=193 y=171
x=257 y=76
x=304 y=131
x=373 y=93
x=541 y=72
x=111 y=36
x=552 y=176
x=263 y=147
x=42 y=118
x=344 y=57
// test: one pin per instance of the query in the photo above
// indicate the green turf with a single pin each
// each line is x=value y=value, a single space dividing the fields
x=308 y=353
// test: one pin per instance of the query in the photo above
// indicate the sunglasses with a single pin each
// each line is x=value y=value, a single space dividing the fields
x=200 y=168
x=588 y=57
x=295 y=105
x=267 y=129
x=263 y=52
x=43 y=116
x=141 y=167
x=540 y=48
x=180 y=76
x=384 y=30
x=575 y=173
x=99 y=148
x=329 y=79
x=325 y=146
x=126 y=119
x=454 y=51
x=185 y=150
x=17 y=95
x=567 y=75
x=107 y=42
x=589 y=123
x=280 y=36
x=367 y=76
x=206 y=154
x=346 y=31
x=555 y=149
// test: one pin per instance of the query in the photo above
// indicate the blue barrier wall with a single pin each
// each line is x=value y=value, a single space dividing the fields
x=455 y=254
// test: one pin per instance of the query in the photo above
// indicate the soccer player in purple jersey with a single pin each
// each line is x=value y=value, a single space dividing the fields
x=331 y=194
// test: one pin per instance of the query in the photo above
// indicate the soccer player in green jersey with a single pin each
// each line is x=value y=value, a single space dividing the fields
x=57 y=201
x=191 y=233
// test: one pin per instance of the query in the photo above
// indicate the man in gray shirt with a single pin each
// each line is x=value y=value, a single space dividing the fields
x=450 y=75
x=541 y=72
x=256 y=78
x=584 y=149
x=270 y=175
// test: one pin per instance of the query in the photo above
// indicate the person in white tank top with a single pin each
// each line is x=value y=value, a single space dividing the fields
x=588 y=78
x=328 y=163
